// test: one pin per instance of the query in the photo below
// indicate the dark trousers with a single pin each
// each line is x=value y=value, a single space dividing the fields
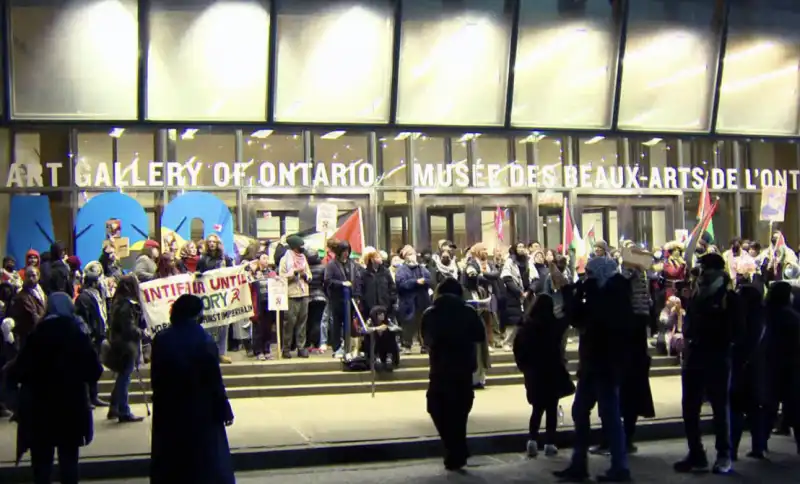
x=755 y=416
x=313 y=331
x=550 y=424
x=385 y=345
x=707 y=377
x=42 y=463
x=600 y=389
x=339 y=329
x=449 y=411
x=411 y=330
x=262 y=333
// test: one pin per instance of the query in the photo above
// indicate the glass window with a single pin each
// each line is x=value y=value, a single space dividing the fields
x=392 y=165
x=5 y=157
x=208 y=155
x=600 y=156
x=395 y=211
x=208 y=60
x=441 y=47
x=96 y=154
x=41 y=159
x=495 y=152
x=548 y=152
x=264 y=145
x=36 y=223
x=334 y=61
x=759 y=91
x=670 y=64
x=75 y=59
x=565 y=64
x=345 y=158
x=656 y=154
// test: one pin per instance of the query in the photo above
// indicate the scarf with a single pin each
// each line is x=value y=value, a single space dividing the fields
x=511 y=269
x=190 y=262
x=100 y=300
x=450 y=270
x=709 y=283
x=298 y=262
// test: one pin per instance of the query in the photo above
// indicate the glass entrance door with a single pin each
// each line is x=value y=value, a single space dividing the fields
x=466 y=220
x=649 y=221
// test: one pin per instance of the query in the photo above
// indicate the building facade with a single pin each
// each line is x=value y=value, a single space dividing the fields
x=428 y=115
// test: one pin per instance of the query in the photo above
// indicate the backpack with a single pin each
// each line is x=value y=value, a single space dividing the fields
x=355 y=363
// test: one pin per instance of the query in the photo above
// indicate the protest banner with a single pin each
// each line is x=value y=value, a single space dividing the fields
x=773 y=204
x=225 y=294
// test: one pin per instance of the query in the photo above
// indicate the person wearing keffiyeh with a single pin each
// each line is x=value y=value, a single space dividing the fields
x=294 y=267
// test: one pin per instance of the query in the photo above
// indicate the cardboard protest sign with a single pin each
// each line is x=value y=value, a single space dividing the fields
x=225 y=293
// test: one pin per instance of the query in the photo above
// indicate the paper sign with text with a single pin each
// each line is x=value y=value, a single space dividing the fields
x=277 y=294
x=225 y=293
x=327 y=216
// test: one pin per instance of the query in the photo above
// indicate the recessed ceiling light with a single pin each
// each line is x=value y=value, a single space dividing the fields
x=189 y=133
x=594 y=140
x=261 y=133
x=333 y=135
x=116 y=132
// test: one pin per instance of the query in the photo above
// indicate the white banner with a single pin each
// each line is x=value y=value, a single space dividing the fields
x=225 y=293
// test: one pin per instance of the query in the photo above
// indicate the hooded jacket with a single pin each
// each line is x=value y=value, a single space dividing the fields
x=452 y=330
x=337 y=273
x=378 y=290
x=412 y=297
x=28 y=254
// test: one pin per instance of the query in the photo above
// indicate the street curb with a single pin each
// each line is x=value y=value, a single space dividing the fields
x=350 y=453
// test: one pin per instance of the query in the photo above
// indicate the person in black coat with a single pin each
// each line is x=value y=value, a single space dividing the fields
x=783 y=362
x=516 y=278
x=749 y=389
x=713 y=322
x=341 y=283
x=90 y=306
x=124 y=338
x=54 y=368
x=190 y=405
x=600 y=308
x=540 y=357
x=453 y=332
x=317 y=301
x=56 y=274
x=377 y=287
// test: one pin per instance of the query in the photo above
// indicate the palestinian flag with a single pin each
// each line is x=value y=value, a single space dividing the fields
x=572 y=236
x=703 y=207
x=351 y=229
x=697 y=233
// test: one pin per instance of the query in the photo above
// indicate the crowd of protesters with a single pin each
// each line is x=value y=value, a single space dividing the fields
x=729 y=316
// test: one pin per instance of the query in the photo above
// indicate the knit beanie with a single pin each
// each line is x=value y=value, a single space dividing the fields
x=295 y=242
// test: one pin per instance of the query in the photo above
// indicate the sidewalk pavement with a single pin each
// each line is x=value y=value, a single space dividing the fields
x=652 y=464
x=331 y=419
x=306 y=431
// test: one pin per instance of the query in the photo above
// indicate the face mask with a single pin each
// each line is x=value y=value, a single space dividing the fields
x=446 y=261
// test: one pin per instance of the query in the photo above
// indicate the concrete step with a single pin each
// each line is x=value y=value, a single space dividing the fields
x=354 y=383
x=257 y=378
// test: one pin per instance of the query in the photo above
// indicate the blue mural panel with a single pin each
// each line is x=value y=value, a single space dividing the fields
x=90 y=224
x=216 y=217
x=30 y=226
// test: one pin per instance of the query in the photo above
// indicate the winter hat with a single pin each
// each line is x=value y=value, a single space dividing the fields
x=601 y=269
x=712 y=261
x=295 y=242
x=707 y=238
x=151 y=244
x=74 y=263
x=186 y=307
x=602 y=244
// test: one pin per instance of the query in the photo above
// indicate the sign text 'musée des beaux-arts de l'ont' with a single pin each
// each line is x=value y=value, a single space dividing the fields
x=362 y=175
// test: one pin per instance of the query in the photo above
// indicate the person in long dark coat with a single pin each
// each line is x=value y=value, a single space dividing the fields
x=783 y=335
x=540 y=357
x=54 y=369
x=749 y=388
x=516 y=278
x=190 y=406
x=453 y=331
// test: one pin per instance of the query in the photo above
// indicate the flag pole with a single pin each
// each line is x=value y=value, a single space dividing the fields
x=564 y=229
